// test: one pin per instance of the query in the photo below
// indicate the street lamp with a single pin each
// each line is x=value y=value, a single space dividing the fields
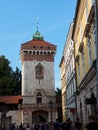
x=51 y=103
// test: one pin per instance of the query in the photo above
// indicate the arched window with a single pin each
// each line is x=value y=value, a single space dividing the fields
x=38 y=98
x=39 y=71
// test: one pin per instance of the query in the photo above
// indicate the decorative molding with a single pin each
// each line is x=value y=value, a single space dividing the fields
x=86 y=30
x=77 y=58
x=81 y=47
x=89 y=21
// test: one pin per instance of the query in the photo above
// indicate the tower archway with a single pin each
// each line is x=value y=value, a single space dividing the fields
x=39 y=116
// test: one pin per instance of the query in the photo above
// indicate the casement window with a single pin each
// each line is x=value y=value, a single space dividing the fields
x=83 y=62
x=89 y=50
x=94 y=33
x=74 y=84
x=78 y=69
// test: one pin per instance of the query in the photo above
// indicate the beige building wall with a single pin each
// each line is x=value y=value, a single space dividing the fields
x=16 y=116
x=85 y=57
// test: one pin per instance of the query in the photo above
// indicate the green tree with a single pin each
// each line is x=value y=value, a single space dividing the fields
x=58 y=92
x=59 y=103
x=9 y=80
x=16 y=77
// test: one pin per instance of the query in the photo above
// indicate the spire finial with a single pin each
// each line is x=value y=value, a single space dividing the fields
x=37 y=35
x=37 y=23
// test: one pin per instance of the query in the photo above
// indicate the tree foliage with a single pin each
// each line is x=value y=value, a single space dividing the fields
x=58 y=92
x=58 y=95
x=10 y=81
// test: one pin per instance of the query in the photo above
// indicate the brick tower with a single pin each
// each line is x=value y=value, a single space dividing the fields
x=38 y=84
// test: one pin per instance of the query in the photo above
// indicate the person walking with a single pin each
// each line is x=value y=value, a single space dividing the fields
x=42 y=127
x=28 y=126
x=77 y=125
x=91 y=125
x=56 y=125
x=46 y=126
x=21 y=126
x=37 y=126
x=66 y=125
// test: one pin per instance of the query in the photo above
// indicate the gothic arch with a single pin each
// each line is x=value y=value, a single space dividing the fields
x=39 y=116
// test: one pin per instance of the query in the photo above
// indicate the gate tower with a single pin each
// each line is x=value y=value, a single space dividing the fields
x=38 y=83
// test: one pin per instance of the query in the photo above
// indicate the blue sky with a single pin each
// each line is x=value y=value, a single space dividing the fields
x=18 y=24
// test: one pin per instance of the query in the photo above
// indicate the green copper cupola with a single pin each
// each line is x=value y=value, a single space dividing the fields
x=37 y=35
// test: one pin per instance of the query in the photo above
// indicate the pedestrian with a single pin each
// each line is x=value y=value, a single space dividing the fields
x=21 y=126
x=32 y=126
x=4 y=126
x=91 y=125
x=69 y=121
x=28 y=126
x=46 y=126
x=36 y=126
x=77 y=125
x=66 y=125
x=42 y=127
x=24 y=126
x=51 y=127
x=56 y=125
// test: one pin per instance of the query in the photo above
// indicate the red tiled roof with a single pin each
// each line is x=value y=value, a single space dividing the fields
x=38 y=42
x=10 y=99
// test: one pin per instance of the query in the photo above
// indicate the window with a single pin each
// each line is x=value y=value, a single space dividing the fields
x=78 y=69
x=41 y=47
x=39 y=98
x=94 y=32
x=34 y=47
x=89 y=50
x=83 y=62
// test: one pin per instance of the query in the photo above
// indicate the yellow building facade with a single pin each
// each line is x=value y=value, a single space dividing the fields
x=85 y=57
x=63 y=84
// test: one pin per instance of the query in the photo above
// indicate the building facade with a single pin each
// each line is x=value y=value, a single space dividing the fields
x=63 y=85
x=85 y=58
x=38 y=83
x=68 y=78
